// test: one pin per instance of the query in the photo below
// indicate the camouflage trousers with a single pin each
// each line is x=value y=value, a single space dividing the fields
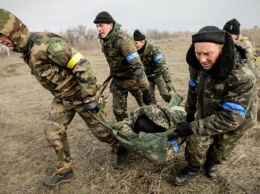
x=120 y=90
x=55 y=129
x=215 y=149
x=161 y=85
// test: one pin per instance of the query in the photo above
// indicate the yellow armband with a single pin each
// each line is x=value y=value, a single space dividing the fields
x=74 y=60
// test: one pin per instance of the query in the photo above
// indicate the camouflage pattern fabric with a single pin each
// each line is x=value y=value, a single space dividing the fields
x=126 y=68
x=55 y=129
x=153 y=146
x=249 y=46
x=161 y=85
x=216 y=149
x=217 y=127
x=156 y=70
x=63 y=71
x=120 y=93
x=154 y=62
x=211 y=106
x=122 y=57
x=13 y=28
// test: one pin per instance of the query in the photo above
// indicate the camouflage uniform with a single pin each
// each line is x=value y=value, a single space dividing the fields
x=252 y=54
x=152 y=145
x=63 y=71
x=224 y=101
x=156 y=70
x=126 y=69
x=249 y=46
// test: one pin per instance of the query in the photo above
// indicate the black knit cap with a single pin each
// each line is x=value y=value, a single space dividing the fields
x=138 y=36
x=232 y=26
x=209 y=34
x=104 y=17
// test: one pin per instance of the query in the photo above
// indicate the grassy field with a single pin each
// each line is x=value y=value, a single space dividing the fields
x=26 y=158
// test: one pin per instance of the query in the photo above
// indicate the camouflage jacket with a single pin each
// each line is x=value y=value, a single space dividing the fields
x=60 y=68
x=122 y=58
x=154 y=62
x=249 y=46
x=56 y=65
x=224 y=103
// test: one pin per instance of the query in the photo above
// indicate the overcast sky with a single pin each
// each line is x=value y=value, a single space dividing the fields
x=162 y=15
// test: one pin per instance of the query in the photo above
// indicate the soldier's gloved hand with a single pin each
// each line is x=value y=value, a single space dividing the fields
x=190 y=118
x=91 y=106
x=147 y=97
x=169 y=85
x=182 y=130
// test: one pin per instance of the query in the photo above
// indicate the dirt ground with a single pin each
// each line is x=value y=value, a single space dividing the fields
x=26 y=158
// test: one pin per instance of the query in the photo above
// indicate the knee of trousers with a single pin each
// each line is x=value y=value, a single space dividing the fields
x=120 y=114
x=54 y=132
x=103 y=135
x=196 y=149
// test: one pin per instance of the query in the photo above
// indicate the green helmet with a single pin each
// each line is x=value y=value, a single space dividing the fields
x=14 y=29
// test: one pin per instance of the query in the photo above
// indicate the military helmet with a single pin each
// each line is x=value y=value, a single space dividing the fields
x=14 y=29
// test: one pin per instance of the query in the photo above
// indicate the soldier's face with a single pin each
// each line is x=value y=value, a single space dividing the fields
x=207 y=53
x=6 y=41
x=104 y=29
x=234 y=37
x=139 y=44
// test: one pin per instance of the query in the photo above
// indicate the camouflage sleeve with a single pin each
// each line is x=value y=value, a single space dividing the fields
x=86 y=79
x=239 y=94
x=134 y=61
x=190 y=106
x=63 y=55
x=250 y=49
x=159 y=58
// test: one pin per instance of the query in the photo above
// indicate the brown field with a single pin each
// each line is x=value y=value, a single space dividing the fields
x=26 y=158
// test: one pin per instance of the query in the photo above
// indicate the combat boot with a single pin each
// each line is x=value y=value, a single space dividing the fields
x=186 y=175
x=57 y=178
x=211 y=169
x=122 y=156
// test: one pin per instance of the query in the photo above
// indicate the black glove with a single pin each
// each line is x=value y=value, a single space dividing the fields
x=182 y=130
x=190 y=118
x=147 y=97
x=91 y=106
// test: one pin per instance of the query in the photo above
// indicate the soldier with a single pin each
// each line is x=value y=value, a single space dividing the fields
x=125 y=65
x=221 y=97
x=233 y=27
x=156 y=68
x=156 y=122
x=67 y=74
x=126 y=70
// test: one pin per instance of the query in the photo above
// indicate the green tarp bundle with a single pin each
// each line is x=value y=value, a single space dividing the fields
x=153 y=146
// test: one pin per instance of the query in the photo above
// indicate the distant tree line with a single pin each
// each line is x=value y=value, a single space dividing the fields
x=83 y=37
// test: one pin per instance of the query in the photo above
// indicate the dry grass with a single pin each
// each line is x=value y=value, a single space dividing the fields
x=26 y=158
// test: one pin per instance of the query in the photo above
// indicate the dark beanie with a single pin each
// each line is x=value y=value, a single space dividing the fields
x=138 y=36
x=232 y=26
x=209 y=34
x=104 y=17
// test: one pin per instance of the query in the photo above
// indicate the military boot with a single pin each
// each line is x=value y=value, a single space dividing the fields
x=57 y=178
x=122 y=155
x=186 y=174
x=211 y=169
